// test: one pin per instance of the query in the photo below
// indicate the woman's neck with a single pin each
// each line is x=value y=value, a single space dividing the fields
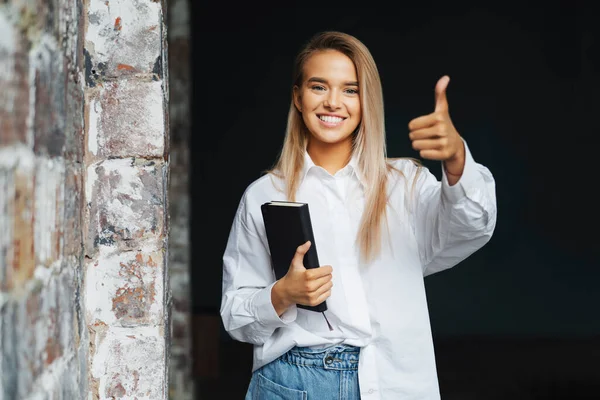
x=331 y=157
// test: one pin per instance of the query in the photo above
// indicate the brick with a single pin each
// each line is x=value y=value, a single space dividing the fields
x=74 y=118
x=129 y=364
x=47 y=63
x=55 y=312
x=72 y=238
x=14 y=81
x=71 y=23
x=126 y=203
x=66 y=308
x=126 y=119
x=29 y=338
x=49 y=205
x=8 y=361
x=126 y=289
x=7 y=187
x=40 y=328
x=23 y=253
x=124 y=37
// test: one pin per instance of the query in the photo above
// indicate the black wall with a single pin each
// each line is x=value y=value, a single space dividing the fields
x=524 y=94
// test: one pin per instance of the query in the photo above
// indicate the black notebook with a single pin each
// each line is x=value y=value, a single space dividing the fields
x=288 y=226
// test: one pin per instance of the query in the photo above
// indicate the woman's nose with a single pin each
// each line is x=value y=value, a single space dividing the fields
x=333 y=100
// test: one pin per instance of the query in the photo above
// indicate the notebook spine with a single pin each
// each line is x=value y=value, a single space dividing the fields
x=312 y=259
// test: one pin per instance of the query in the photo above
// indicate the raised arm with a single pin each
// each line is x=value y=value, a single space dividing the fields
x=457 y=216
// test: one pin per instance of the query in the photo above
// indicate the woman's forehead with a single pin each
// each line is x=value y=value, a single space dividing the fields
x=330 y=64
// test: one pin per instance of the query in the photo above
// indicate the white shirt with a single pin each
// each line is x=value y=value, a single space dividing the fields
x=380 y=307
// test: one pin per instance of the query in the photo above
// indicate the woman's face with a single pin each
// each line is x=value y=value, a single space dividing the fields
x=328 y=97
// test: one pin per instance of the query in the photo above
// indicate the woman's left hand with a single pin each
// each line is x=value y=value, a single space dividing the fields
x=435 y=137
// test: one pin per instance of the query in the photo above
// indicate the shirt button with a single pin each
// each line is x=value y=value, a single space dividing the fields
x=371 y=391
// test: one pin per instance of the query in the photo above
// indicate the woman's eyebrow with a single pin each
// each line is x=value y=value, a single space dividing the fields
x=323 y=80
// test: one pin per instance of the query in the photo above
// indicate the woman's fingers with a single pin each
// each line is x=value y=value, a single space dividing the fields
x=319 y=282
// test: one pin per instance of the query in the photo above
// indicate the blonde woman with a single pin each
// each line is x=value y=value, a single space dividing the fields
x=381 y=225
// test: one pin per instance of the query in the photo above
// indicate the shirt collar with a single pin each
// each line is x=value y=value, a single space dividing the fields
x=352 y=164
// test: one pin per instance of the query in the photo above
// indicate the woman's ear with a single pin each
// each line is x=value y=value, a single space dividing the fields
x=297 y=98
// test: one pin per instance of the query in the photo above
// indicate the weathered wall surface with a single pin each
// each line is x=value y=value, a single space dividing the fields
x=84 y=225
x=181 y=379
x=126 y=178
x=43 y=337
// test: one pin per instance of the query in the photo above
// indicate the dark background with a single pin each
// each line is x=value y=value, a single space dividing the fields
x=518 y=319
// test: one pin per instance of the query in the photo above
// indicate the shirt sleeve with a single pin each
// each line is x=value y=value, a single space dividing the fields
x=452 y=222
x=246 y=309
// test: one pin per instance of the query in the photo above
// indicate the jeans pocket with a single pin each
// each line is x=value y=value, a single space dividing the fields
x=268 y=390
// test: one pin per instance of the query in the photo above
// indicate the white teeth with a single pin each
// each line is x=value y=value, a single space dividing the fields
x=330 y=119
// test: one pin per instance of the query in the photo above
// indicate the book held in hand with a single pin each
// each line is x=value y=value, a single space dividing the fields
x=288 y=226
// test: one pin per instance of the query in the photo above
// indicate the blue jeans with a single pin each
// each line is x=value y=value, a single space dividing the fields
x=308 y=374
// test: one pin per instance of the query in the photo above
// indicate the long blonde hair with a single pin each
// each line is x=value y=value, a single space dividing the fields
x=369 y=144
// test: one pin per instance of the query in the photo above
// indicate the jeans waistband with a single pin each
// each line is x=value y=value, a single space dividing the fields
x=339 y=357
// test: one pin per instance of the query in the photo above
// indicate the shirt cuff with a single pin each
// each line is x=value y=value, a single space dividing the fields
x=468 y=179
x=266 y=313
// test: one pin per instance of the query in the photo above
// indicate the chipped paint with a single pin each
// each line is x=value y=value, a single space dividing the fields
x=133 y=121
x=118 y=25
x=126 y=118
x=133 y=44
x=125 y=289
x=125 y=199
x=132 y=366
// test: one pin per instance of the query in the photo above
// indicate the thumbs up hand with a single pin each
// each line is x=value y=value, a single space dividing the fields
x=435 y=137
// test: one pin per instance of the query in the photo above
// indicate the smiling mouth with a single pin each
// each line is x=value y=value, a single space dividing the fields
x=330 y=120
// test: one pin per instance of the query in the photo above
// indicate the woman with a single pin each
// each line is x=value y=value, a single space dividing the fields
x=381 y=225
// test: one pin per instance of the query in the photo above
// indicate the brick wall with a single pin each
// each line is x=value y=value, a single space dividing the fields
x=84 y=172
x=126 y=176
x=43 y=338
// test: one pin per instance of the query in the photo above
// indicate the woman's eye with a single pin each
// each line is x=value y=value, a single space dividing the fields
x=317 y=87
x=352 y=91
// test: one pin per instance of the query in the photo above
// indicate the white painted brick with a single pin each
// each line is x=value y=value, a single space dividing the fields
x=124 y=34
x=125 y=289
x=125 y=200
x=130 y=363
x=126 y=118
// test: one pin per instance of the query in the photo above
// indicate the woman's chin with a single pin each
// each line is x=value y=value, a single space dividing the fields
x=332 y=140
